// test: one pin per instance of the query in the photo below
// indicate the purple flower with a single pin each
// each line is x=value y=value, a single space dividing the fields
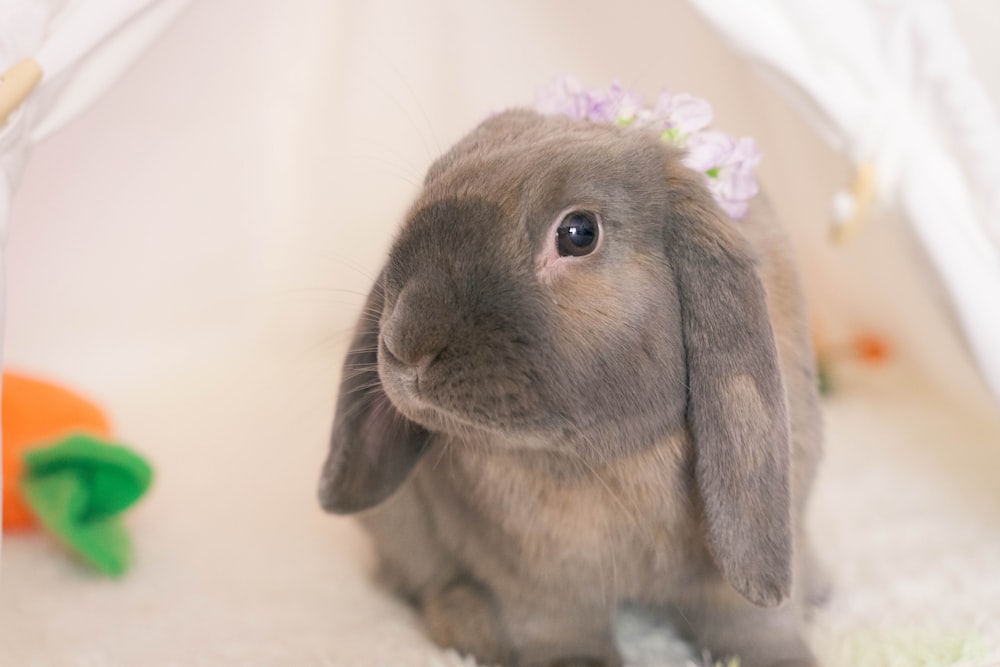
x=566 y=97
x=708 y=150
x=563 y=97
x=728 y=166
x=683 y=113
x=615 y=105
x=681 y=119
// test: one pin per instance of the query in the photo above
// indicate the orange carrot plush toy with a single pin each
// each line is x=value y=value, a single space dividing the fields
x=59 y=470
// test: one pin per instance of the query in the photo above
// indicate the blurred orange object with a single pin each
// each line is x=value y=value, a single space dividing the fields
x=36 y=413
x=871 y=349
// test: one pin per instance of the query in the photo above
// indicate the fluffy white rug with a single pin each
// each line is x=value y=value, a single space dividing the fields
x=236 y=566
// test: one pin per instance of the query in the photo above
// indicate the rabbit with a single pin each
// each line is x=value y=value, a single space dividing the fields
x=578 y=384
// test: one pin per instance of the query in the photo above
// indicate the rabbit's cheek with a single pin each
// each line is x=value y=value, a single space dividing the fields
x=602 y=309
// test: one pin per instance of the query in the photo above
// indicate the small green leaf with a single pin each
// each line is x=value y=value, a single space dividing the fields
x=673 y=135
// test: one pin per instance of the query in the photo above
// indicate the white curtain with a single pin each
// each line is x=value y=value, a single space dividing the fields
x=891 y=84
x=77 y=50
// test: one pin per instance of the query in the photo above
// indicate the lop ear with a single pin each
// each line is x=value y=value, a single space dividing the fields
x=737 y=407
x=373 y=447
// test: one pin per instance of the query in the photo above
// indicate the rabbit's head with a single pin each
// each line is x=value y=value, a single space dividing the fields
x=571 y=287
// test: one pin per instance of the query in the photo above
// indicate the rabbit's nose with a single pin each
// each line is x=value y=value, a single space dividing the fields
x=418 y=328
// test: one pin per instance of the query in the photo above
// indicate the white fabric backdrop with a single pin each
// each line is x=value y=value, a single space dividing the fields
x=388 y=110
x=82 y=48
x=892 y=85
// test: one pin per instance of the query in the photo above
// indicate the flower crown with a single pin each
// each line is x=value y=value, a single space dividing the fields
x=681 y=119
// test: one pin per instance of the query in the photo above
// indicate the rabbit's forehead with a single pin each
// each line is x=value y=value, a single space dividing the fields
x=533 y=178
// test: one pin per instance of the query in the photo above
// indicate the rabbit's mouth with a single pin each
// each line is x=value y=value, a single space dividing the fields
x=402 y=384
x=400 y=379
x=442 y=398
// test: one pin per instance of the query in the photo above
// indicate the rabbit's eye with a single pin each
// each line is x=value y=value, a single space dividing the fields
x=577 y=234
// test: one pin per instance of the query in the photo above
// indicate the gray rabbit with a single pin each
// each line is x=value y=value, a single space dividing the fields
x=577 y=384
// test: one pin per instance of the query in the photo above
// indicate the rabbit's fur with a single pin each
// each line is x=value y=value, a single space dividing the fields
x=535 y=440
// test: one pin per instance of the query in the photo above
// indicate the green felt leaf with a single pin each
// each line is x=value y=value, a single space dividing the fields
x=114 y=476
x=58 y=499
x=78 y=488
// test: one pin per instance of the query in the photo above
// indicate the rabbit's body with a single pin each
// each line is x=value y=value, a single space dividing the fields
x=542 y=438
